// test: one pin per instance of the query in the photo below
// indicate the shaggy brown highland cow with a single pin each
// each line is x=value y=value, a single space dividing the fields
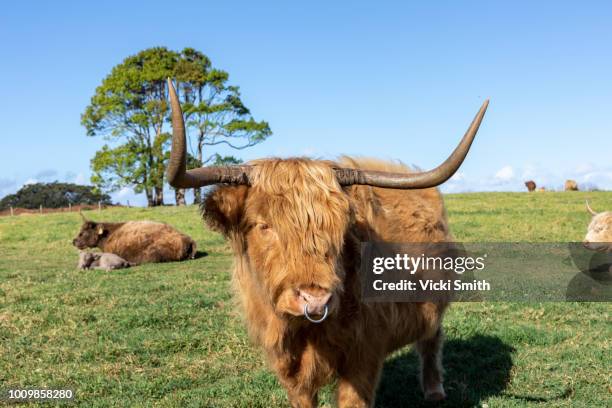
x=599 y=233
x=295 y=227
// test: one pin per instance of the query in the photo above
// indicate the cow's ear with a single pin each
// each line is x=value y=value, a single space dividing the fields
x=223 y=208
x=100 y=229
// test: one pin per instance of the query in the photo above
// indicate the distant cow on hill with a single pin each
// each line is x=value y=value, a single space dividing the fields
x=571 y=185
x=136 y=241
x=531 y=185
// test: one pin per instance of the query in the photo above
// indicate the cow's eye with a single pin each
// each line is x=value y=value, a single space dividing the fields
x=264 y=226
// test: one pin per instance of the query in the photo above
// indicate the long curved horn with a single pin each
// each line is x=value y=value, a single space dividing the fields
x=431 y=178
x=589 y=209
x=178 y=175
x=82 y=216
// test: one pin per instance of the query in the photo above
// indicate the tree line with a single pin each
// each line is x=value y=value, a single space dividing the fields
x=130 y=110
x=53 y=195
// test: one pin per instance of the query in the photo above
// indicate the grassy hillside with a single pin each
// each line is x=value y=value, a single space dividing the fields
x=169 y=334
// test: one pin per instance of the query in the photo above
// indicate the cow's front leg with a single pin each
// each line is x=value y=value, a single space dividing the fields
x=357 y=385
x=430 y=354
x=302 y=399
x=302 y=392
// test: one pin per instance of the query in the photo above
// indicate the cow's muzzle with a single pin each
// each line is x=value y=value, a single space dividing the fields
x=315 y=303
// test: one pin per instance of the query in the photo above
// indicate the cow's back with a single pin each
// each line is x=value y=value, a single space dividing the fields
x=148 y=241
x=392 y=215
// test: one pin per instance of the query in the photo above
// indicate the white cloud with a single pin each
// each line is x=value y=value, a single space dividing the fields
x=125 y=191
x=127 y=196
x=512 y=178
x=602 y=175
x=80 y=179
x=506 y=173
x=30 y=181
x=600 y=179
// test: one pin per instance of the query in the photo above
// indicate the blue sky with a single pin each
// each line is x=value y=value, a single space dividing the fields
x=394 y=80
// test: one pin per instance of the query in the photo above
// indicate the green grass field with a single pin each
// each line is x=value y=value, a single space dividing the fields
x=169 y=335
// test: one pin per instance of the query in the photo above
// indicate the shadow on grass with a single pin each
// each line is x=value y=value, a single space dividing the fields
x=475 y=369
x=200 y=254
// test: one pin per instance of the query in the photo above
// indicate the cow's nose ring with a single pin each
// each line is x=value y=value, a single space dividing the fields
x=315 y=320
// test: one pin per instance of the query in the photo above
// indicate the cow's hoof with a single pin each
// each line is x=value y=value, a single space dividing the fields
x=435 y=394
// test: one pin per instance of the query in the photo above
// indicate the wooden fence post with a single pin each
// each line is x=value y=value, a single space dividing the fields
x=12 y=213
x=69 y=207
x=99 y=206
x=41 y=208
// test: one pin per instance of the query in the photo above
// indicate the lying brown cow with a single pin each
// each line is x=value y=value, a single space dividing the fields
x=531 y=185
x=136 y=241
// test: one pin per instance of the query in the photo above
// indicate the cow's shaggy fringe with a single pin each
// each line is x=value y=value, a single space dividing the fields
x=294 y=227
